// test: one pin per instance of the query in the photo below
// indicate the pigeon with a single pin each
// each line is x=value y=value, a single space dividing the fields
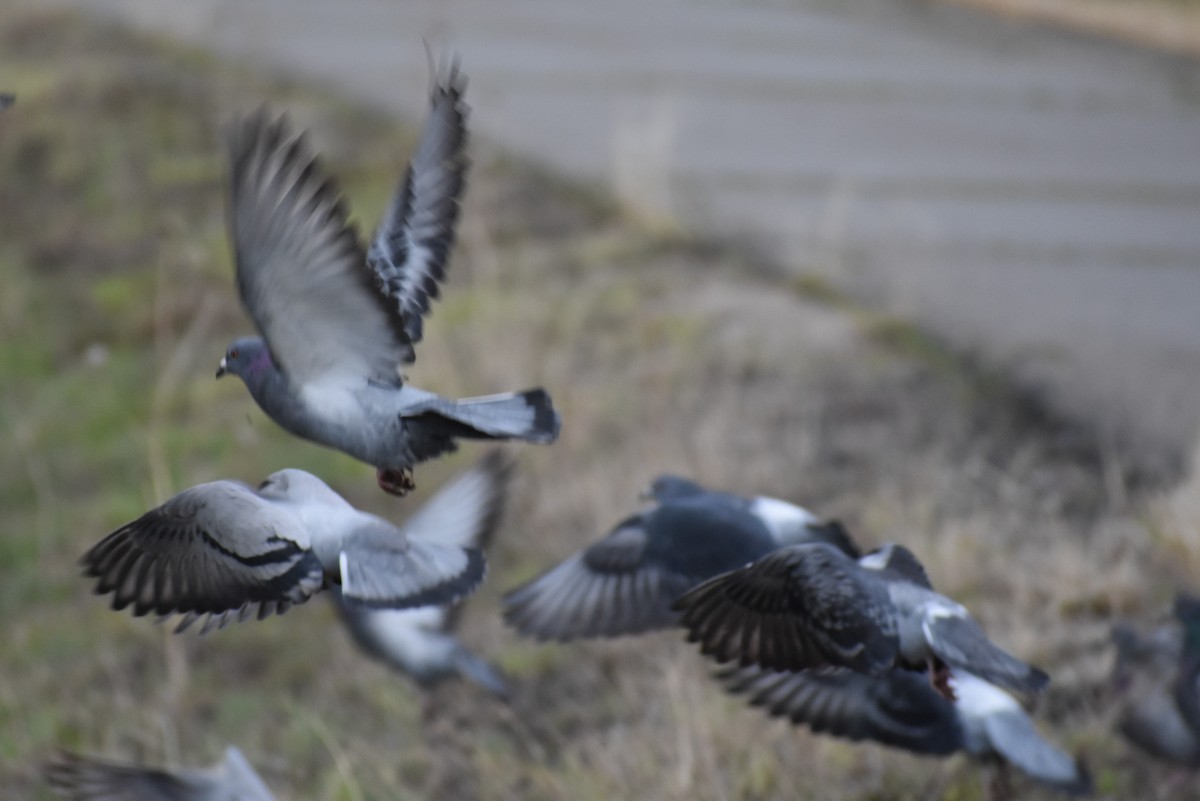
x=900 y=709
x=1156 y=678
x=420 y=642
x=80 y=778
x=228 y=551
x=337 y=323
x=809 y=606
x=626 y=582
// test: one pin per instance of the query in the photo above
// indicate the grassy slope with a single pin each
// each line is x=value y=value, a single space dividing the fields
x=118 y=301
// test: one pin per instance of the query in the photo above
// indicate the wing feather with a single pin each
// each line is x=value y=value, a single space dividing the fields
x=215 y=549
x=413 y=242
x=301 y=271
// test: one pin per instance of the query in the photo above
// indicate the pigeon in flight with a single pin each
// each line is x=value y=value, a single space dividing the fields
x=900 y=709
x=80 y=778
x=1156 y=678
x=808 y=606
x=626 y=582
x=228 y=551
x=337 y=323
x=420 y=642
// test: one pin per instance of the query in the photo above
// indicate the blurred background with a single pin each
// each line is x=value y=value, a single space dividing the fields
x=930 y=268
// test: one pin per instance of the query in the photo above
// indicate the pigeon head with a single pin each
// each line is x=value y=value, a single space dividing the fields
x=293 y=484
x=247 y=357
x=670 y=487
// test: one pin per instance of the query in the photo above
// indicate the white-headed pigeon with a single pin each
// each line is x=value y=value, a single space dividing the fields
x=229 y=551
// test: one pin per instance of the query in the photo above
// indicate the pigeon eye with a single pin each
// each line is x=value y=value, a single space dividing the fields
x=233 y=354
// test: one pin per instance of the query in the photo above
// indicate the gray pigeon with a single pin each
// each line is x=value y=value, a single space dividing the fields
x=1156 y=678
x=338 y=323
x=626 y=582
x=900 y=709
x=808 y=606
x=420 y=642
x=228 y=551
x=80 y=778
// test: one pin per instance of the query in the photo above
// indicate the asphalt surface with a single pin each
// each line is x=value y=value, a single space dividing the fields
x=1032 y=195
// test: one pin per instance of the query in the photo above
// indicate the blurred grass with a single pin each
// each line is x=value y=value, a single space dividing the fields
x=662 y=353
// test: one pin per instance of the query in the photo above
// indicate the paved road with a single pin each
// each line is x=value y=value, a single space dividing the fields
x=1033 y=194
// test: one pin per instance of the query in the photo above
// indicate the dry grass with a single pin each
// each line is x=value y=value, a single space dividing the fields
x=662 y=355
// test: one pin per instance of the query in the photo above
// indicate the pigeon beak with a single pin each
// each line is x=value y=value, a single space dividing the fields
x=222 y=369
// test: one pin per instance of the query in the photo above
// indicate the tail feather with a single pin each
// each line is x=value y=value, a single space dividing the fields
x=480 y=672
x=528 y=416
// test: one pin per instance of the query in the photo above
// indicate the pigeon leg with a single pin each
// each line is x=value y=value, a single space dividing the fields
x=939 y=679
x=396 y=482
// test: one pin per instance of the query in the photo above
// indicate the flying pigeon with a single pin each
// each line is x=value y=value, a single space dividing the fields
x=228 y=551
x=420 y=642
x=808 y=606
x=1157 y=680
x=80 y=778
x=900 y=709
x=626 y=582
x=337 y=323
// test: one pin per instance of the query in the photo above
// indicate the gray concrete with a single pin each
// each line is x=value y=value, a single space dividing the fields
x=1030 y=193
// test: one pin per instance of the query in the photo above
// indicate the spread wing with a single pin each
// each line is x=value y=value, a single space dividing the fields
x=413 y=242
x=216 y=549
x=800 y=607
x=300 y=269
x=607 y=590
x=80 y=778
x=897 y=708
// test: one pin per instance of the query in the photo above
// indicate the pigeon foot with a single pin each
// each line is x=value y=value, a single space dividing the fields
x=395 y=482
x=939 y=680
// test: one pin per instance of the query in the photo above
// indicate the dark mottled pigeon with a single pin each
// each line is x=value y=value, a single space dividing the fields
x=80 y=778
x=901 y=709
x=337 y=323
x=1156 y=678
x=420 y=642
x=626 y=582
x=808 y=606
x=228 y=551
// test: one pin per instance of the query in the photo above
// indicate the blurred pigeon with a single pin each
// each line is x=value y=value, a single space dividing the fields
x=900 y=709
x=228 y=551
x=420 y=642
x=80 y=778
x=808 y=606
x=337 y=323
x=626 y=582
x=1157 y=679
x=7 y=99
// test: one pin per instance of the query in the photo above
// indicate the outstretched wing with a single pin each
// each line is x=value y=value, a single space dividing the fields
x=414 y=238
x=800 y=607
x=300 y=269
x=609 y=589
x=216 y=549
x=897 y=708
